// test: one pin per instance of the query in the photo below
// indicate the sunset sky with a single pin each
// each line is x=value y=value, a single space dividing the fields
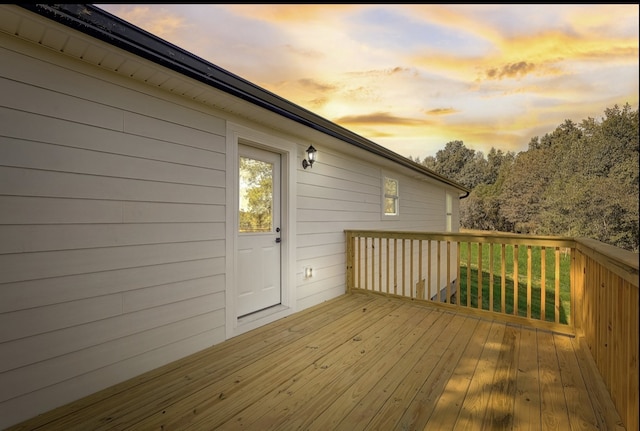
x=414 y=77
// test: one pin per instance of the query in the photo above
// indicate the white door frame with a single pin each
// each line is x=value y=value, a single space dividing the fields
x=236 y=134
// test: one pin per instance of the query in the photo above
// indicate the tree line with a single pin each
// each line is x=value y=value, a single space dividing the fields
x=580 y=180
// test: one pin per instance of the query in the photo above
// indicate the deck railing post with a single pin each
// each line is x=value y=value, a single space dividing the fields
x=576 y=282
x=350 y=257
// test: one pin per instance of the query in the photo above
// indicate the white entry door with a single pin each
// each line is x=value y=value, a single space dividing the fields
x=258 y=279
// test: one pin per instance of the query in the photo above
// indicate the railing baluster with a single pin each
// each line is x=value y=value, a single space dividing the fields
x=515 y=280
x=469 y=274
x=503 y=281
x=420 y=290
x=458 y=275
x=387 y=262
x=404 y=266
x=480 y=246
x=366 y=263
x=529 y=281
x=411 y=267
x=491 y=270
x=557 y=298
x=543 y=283
x=350 y=262
x=395 y=266
x=430 y=269
x=380 y=263
x=359 y=263
x=448 y=272
x=373 y=264
x=438 y=278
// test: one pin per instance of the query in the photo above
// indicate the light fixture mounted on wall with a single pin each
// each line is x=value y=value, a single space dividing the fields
x=311 y=155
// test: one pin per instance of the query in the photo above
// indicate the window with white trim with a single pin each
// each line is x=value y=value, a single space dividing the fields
x=449 y=212
x=390 y=198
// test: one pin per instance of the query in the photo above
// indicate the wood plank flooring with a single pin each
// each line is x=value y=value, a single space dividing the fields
x=359 y=362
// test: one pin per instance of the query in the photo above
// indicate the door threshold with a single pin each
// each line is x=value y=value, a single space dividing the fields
x=257 y=315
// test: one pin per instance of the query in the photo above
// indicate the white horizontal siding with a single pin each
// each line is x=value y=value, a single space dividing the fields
x=112 y=229
x=16 y=210
x=23 y=407
x=55 y=131
x=34 y=238
x=46 y=291
x=32 y=266
x=33 y=182
x=169 y=293
x=47 y=345
x=328 y=204
x=43 y=70
x=342 y=192
x=37 y=155
x=317 y=191
x=337 y=215
x=24 y=322
x=29 y=378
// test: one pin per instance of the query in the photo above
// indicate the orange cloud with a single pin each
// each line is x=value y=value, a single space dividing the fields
x=380 y=72
x=593 y=34
x=513 y=70
x=379 y=118
x=279 y=13
x=441 y=111
x=317 y=103
x=315 y=85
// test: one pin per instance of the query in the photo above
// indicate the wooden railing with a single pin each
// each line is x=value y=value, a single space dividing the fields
x=576 y=286
x=475 y=271
x=606 y=288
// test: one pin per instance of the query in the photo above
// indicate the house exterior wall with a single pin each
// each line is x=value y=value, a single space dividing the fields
x=345 y=193
x=112 y=232
x=114 y=225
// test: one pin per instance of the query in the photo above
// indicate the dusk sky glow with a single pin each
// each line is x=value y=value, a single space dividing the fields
x=414 y=77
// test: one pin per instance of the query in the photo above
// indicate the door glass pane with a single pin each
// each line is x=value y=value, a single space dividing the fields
x=256 y=195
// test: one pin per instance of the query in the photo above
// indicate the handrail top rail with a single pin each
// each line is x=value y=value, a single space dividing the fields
x=622 y=262
x=491 y=237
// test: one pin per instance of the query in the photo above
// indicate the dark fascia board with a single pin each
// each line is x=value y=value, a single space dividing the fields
x=108 y=28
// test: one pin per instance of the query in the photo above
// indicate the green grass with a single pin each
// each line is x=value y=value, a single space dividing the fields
x=550 y=258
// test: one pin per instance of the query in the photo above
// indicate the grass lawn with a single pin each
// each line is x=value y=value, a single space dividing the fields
x=536 y=280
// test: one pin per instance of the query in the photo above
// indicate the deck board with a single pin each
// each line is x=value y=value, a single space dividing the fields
x=359 y=362
x=526 y=410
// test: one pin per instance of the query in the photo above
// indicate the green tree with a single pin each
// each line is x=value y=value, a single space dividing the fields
x=453 y=161
x=578 y=180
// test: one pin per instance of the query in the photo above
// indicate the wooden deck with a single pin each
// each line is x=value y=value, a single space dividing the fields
x=360 y=362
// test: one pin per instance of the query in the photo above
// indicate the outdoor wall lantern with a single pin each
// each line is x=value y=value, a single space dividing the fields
x=311 y=155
